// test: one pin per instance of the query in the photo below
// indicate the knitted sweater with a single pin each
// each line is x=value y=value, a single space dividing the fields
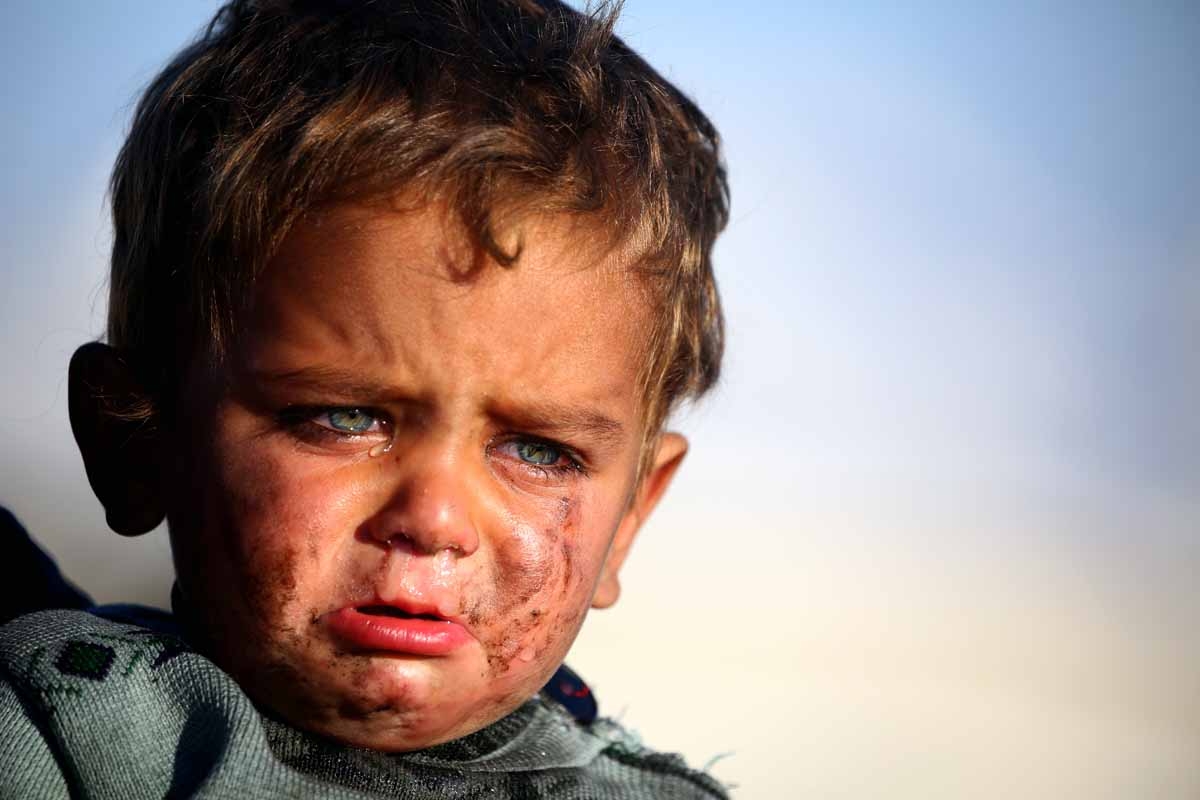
x=94 y=708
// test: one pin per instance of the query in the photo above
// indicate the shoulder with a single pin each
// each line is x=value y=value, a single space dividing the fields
x=82 y=670
x=88 y=676
x=619 y=764
x=111 y=701
x=625 y=761
x=75 y=653
x=543 y=750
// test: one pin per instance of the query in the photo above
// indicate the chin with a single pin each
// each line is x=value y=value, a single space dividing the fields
x=389 y=728
x=390 y=704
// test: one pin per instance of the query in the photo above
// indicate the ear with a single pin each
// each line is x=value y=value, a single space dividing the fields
x=669 y=453
x=120 y=449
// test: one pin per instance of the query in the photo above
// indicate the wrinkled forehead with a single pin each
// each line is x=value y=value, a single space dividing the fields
x=406 y=292
x=564 y=266
x=433 y=237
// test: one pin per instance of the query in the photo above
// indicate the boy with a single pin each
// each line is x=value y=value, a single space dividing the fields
x=402 y=294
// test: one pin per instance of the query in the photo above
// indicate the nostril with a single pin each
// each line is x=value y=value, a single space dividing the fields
x=410 y=524
x=401 y=542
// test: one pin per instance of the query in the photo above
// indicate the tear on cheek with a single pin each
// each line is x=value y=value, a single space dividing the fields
x=533 y=567
x=445 y=570
x=516 y=648
x=521 y=642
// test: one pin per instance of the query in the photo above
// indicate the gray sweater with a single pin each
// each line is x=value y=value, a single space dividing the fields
x=92 y=708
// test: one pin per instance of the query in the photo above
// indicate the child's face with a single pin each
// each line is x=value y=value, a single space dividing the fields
x=392 y=439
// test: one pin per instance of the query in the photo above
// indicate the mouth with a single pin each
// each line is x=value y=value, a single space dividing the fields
x=396 y=613
x=381 y=628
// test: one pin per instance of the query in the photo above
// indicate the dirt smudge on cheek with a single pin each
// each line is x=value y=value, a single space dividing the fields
x=568 y=564
x=576 y=571
x=527 y=564
x=537 y=578
x=511 y=640
x=366 y=701
x=513 y=643
x=268 y=585
x=524 y=565
x=569 y=515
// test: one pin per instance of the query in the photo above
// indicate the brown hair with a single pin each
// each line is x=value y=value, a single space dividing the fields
x=281 y=105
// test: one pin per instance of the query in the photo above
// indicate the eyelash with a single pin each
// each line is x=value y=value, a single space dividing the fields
x=300 y=421
x=573 y=466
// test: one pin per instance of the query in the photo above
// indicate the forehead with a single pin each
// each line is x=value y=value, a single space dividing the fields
x=404 y=295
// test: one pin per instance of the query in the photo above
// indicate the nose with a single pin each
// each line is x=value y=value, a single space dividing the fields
x=429 y=509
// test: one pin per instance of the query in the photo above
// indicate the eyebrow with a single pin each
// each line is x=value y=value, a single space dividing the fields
x=539 y=416
x=329 y=378
x=555 y=419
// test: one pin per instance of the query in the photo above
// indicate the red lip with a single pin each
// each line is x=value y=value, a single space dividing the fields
x=408 y=634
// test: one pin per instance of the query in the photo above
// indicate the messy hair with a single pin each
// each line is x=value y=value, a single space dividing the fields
x=484 y=105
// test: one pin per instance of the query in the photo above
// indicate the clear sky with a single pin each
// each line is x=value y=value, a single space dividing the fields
x=946 y=503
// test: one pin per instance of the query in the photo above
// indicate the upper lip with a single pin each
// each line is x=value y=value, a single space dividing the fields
x=407 y=606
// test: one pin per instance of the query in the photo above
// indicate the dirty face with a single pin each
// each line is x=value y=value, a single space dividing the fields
x=396 y=501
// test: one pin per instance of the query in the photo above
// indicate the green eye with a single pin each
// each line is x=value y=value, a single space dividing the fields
x=350 y=420
x=538 y=453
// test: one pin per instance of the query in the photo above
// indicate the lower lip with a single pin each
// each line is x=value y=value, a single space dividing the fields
x=418 y=637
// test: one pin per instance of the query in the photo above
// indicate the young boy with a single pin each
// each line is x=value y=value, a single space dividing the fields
x=402 y=294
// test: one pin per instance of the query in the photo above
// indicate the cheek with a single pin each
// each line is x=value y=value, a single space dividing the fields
x=266 y=530
x=586 y=527
x=570 y=514
x=544 y=573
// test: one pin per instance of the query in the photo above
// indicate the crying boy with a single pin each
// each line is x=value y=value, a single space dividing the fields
x=402 y=295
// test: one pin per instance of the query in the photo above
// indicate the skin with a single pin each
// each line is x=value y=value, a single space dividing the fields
x=461 y=373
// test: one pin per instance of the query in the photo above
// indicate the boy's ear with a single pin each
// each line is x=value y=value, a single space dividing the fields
x=120 y=449
x=671 y=449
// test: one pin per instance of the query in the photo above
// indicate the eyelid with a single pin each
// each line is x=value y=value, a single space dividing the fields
x=377 y=419
x=576 y=462
x=307 y=416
